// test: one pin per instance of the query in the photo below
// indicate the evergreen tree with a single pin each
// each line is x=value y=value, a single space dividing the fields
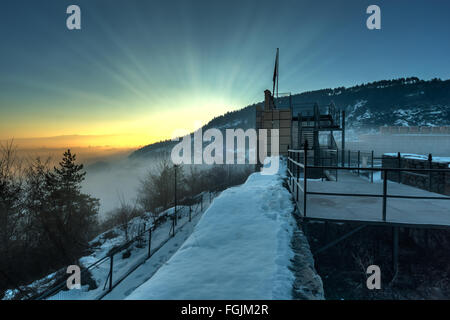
x=70 y=217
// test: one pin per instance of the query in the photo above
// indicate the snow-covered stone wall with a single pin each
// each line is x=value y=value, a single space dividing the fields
x=435 y=181
x=241 y=249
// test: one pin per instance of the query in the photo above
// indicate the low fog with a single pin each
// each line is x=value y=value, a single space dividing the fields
x=116 y=180
x=119 y=180
x=111 y=175
x=436 y=144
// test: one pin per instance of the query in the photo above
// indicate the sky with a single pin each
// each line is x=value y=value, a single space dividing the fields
x=139 y=70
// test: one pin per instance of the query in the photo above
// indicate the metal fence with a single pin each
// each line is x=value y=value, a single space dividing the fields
x=299 y=170
x=114 y=275
x=361 y=160
x=187 y=207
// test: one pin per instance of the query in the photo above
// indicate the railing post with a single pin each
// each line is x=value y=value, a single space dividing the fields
x=111 y=265
x=322 y=173
x=349 y=160
x=343 y=137
x=305 y=173
x=291 y=169
x=337 y=164
x=175 y=194
x=149 y=241
x=173 y=226
x=371 y=175
x=298 y=172
x=395 y=249
x=399 y=159
x=384 y=193
x=288 y=157
x=290 y=165
x=201 y=201
x=430 y=166
x=359 y=158
x=190 y=212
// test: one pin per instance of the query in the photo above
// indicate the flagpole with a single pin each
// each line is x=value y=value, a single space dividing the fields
x=275 y=76
x=278 y=67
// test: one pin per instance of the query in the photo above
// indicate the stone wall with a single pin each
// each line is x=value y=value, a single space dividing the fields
x=440 y=182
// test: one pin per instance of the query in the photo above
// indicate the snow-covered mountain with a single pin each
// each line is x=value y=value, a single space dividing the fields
x=400 y=102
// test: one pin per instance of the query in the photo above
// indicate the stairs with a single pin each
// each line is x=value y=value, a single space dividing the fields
x=308 y=135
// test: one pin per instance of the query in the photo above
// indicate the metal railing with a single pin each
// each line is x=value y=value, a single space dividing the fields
x=298 y=169
x=361 y=160
x=189 y=204
x=195 y=207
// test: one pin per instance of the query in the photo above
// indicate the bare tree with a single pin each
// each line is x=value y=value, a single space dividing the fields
x=158 y=187
x=11 y=197
x=193 y=181
x=124 y=214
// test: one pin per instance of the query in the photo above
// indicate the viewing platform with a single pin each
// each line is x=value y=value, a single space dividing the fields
x=352 y=197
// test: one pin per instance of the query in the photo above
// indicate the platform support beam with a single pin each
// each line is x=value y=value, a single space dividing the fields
x=343 y=138
x=385 y=173
x=395 y=250
x=305 y=228
x=335 y=242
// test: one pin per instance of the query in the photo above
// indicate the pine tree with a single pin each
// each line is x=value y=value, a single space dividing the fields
x=71 y=216
x=69 y=174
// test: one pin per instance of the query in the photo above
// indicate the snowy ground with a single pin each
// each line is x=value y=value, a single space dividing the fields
x=245 y=246
x=139 y=253
x=240 y=249
x=101 y=246
x=147 y=270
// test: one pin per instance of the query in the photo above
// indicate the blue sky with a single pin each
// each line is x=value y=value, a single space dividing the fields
x=141 y=69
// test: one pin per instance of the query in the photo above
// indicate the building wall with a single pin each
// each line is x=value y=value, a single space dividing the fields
x=276 y=119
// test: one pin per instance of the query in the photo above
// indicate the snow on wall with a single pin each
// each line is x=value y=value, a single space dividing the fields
x=419 y=157
x=240 y=249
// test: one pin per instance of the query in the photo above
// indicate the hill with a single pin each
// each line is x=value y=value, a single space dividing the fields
x=399 y=102
x=243 y=118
